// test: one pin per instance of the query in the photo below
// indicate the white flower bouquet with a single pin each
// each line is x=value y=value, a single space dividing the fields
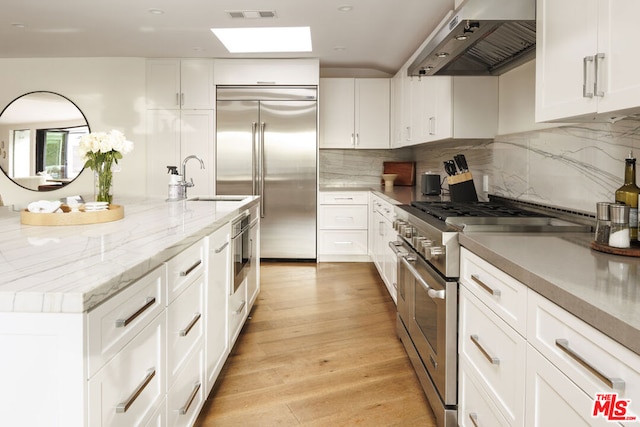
x=99 y=150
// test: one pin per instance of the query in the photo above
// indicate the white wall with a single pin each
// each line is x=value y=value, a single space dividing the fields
x=111 y=94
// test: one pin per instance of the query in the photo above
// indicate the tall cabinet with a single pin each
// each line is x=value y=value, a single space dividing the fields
x=180 y=121
x=586 y=59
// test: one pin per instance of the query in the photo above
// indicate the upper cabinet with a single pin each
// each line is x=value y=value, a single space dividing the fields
x=354 y=113
x=437 y=108
x=586 y=60
x=303 y=71
x=180 y=84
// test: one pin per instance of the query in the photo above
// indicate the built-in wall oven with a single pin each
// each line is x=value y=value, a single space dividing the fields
x=240 y=249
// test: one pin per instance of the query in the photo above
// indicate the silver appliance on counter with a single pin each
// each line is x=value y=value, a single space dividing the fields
x=266 y=145
x=428 y=255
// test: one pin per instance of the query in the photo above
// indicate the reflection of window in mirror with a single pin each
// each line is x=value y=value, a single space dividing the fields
x=21 y=148
x=57 y=154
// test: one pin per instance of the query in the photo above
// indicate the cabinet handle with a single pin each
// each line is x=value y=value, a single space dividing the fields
x=121 y=323
x=190 y=269
x=353 y=142
x=343 y=198
x=221 y=248
x=612 y=383
x=178 y=98
x=585 y=77
x=343 y=243
x=344 y=218
x=494 y=292
x=239 y=310
x=474 y=418
x=357 y=139
x=185 y=331
x=493 y=360
x=192 y=396
x=432 y=125
x=181 y=99
x=596 y=86
x=124 y=406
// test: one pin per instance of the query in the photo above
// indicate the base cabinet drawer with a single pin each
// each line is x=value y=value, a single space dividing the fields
x=347 y=242
x=474 y=407
x=496 y=353
x=187 y=395
x=237 y=312
x=554 y=400
x=128 y=390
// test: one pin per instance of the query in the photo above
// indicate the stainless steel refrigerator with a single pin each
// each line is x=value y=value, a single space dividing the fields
x=266 y=145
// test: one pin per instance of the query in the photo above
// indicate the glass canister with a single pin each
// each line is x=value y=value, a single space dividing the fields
x=603 y=223
x=620 y=236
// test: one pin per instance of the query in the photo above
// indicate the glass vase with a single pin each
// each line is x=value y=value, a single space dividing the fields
x=103 y=182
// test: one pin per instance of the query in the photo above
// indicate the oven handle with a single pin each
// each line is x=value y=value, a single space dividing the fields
x=406 y=260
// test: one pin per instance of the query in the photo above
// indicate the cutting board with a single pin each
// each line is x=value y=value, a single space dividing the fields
x=406 y=172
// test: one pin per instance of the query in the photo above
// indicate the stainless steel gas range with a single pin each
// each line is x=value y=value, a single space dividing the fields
x=428 y=269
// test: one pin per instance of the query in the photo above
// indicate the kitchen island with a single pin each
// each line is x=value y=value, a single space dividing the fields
x=90 y=315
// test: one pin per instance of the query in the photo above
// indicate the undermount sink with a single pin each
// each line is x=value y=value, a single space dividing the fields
x=217 y=198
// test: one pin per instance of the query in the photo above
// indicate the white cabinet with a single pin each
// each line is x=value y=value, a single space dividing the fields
x=381 y=232
x=173 y=135
x=259 y=71
x=588 y=70
x=217 y=344
x=342 y=226
x=354 y=113
x=253 y=277
x=180 y=84
x=568 y=362
x=438 y=108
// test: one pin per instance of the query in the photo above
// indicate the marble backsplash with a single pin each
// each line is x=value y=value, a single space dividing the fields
x=570 y=167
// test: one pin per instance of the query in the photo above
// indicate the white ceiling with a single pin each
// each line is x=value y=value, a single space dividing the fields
x=377 y=34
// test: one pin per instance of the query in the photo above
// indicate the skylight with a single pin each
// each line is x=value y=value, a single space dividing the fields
x=266 y=39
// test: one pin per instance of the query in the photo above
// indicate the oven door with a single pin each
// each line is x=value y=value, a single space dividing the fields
x=431 y=321
x=240 y=250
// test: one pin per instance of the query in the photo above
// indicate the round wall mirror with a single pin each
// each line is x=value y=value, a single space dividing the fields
x=39 y=136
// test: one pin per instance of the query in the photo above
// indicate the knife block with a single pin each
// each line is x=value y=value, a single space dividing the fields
x=461 y=188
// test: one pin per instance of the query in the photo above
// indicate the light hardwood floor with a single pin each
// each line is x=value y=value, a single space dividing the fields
x=320 y=349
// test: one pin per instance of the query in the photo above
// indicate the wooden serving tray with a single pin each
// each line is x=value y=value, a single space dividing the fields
x=633 y=251
x=114 y=213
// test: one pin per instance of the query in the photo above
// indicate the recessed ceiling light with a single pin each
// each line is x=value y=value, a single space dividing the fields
x=265 y=39
x=18 y=25
x=442 y=54
x=345 y=8
x=339 y=48
x=462 y=37
x=156 y=11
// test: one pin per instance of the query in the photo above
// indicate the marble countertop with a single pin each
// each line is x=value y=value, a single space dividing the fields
x=71 y=269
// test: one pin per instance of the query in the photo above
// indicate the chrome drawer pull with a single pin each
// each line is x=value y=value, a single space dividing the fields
x=121 y=323
x=185 y=331
x=239 y=310
x=190 y=269
x=192 y=396
x=221 y=248
x=494 y=292
x=124 y=406
x=585 y=77
x=613 y=383
x=493 y=360
x=474 y=418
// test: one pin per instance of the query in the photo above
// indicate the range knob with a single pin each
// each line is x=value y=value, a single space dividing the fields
x=398 y=223
x=417 y=241
x=408 y=231
x=433 y=252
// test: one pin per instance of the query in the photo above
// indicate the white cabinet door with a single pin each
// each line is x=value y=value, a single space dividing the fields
x=397 y=99
x=253 y=277
x=196 y=84
x=196 y=138
x=175 y=84
x=354 y=113
x=258 y=71
x=562 y=57
x=336 y=106
x=218 y=270
x=553 y=400
x=372 y=113
x=586 y=70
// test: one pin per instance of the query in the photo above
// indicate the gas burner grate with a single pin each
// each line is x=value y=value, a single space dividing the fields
x=444 y=210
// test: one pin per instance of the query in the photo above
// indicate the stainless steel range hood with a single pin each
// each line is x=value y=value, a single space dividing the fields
x=482 y=37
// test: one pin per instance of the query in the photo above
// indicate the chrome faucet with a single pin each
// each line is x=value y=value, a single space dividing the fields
x=184 y=183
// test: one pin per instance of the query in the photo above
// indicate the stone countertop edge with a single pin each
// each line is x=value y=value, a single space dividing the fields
x=86 y=297
x=616 y=328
